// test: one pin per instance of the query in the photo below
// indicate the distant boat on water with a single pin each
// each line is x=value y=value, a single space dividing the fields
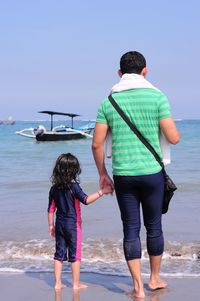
x=58 y=133
x=8 y=121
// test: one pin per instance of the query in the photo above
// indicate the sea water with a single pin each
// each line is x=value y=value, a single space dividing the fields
x=26 y=166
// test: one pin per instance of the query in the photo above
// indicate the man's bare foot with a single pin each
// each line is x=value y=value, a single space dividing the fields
x=157 y=284
x=79 y=286
x=59 y=286
x=137 y=294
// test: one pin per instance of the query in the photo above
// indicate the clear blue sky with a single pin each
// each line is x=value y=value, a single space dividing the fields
x=64 y=55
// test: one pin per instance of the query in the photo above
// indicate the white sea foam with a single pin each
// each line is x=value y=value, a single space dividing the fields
x=93 y=250
x=100 y=256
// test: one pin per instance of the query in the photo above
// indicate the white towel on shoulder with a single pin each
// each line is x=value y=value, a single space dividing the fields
x=136 y=81
x=132 y=81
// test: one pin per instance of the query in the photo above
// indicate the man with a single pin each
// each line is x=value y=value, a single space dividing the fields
x=138 y=178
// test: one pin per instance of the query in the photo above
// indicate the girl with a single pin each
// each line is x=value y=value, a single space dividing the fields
x=64 y=197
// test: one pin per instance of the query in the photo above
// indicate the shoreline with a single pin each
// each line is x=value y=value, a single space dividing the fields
x=40 y=286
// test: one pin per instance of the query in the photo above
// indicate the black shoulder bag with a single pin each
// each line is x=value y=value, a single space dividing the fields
x=169 y=186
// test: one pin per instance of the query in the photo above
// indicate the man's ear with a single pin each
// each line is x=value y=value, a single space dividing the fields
x=120 y=73
x=144 y=71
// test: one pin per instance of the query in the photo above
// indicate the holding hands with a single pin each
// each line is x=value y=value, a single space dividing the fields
x=106 y=183
x=106 y=189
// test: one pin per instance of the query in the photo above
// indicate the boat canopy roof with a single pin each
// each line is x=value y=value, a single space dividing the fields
x=59 y=113
x=72 y=115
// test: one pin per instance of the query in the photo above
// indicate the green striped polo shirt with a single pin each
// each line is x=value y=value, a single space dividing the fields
x=144 y=107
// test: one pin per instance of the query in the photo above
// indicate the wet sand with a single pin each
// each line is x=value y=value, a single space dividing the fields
x=37 y=287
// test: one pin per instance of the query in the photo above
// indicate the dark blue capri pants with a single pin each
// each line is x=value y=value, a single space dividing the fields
x=131 y=191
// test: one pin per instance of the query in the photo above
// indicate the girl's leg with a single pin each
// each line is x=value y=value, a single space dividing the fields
x=75 y=266
x=58 y=270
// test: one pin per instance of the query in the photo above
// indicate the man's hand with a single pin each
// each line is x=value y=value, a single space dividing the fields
x=105 y=180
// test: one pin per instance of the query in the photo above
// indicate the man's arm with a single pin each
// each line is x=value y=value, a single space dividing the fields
x=99 y=137
x=170 y=130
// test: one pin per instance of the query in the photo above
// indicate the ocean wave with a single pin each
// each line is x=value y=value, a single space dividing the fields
x=93 y=250
x=101 y=256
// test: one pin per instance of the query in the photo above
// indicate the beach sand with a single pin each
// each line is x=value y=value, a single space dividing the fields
x=39 y=286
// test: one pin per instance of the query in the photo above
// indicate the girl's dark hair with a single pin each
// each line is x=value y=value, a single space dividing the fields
x=66 y=170
x=132 y=62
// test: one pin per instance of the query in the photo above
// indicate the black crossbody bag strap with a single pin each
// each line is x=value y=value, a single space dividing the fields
x=135 y=130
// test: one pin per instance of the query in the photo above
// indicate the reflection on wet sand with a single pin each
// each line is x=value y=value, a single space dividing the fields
x=75 y=295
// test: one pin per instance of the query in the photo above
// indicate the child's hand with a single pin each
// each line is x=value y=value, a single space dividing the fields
x=107 y=189
x=52 y=230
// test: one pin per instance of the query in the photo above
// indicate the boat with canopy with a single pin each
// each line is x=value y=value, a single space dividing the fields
x=58 y=133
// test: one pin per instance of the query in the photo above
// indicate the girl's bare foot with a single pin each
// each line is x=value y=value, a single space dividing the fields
x=79 y=286
x=157 y=284
x=59 y=286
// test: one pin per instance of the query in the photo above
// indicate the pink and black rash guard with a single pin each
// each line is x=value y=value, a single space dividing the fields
x=66 y=203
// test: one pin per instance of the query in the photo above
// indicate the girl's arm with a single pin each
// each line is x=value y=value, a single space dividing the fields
x=95 y=196
x=51 y=224
x=51 y=210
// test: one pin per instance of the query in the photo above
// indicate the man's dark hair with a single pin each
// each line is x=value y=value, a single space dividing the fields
x=132 y=62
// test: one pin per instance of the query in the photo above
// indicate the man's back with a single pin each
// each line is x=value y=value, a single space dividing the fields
x=144 y=107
